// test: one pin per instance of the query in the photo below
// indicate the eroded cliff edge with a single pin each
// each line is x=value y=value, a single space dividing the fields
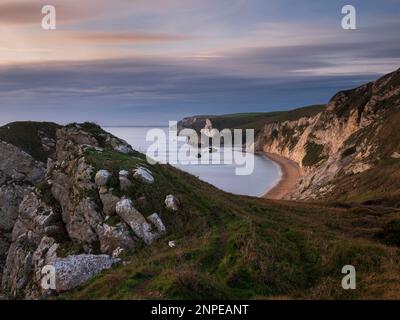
x=346 y=146
x=348 y=150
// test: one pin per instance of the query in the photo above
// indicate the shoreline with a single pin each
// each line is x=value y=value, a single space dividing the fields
x=290 y=175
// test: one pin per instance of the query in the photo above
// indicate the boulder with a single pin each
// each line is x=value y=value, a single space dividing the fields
x=143 y=174
x=74 y=271
x=123 y=148
x=113 y=237
x=108 y=200
x=172 y=203
x=102 y=178
x=157 y=222
x=135 y=220
x=124 y=182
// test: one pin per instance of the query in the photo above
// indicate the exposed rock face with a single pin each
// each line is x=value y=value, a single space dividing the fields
x=74 y=271
x=31 y=247
x=337 y=141
x=119 y=144
x=19 y=166
x=70 y=222
x=18 y=172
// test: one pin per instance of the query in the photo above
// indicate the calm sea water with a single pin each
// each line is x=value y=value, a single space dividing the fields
x=265 y=175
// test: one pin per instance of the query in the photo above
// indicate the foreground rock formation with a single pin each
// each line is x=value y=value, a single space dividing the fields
x=66 y=214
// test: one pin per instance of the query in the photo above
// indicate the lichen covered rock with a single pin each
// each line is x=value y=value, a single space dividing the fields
x=172 y=203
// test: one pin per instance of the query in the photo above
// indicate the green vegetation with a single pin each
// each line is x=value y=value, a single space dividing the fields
x=28 y=136
x=94 y=129
x=232 y=247
x=391 y=233
x=313 y=154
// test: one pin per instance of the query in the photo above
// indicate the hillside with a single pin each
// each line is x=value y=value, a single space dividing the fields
x=226 y=246
x=115 y=227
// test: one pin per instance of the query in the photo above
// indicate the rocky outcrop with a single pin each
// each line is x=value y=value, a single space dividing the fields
x=67 y=215
x=32 y=247
x=18 y=173
x=73 y=271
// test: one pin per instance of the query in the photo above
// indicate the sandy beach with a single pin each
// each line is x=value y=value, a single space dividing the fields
x=290 y=176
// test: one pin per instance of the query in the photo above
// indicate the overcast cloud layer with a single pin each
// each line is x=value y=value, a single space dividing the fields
x=147 y=62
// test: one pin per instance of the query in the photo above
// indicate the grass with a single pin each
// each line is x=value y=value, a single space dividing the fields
x=236 y=247
x=28 y=137
x=255 y=120
x=313 y=154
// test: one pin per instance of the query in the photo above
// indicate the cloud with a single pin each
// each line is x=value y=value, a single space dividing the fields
x=126 y=37
x=19 y=13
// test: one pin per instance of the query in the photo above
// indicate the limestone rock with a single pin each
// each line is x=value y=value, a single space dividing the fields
x=124 y=148
x=74 y=271
x=172 y=203
x=109 y=201
x=17 y=164
x=135 y=220
x=102 y=178
x=124 y=182
x=157 y=222
x=113 y=237
x=143 y=174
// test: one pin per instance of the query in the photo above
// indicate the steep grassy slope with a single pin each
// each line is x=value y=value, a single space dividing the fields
x=241 y=247
x=28 y=136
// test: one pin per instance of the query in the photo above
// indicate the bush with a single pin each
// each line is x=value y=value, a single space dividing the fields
x=313 y=154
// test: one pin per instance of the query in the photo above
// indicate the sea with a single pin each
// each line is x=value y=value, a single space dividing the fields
x=265 y=175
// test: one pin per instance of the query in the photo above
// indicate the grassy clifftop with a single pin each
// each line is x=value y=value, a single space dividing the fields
x=231 y=247
x=251 y=120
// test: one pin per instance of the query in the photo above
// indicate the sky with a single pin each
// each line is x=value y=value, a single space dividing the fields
x=146 y=62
